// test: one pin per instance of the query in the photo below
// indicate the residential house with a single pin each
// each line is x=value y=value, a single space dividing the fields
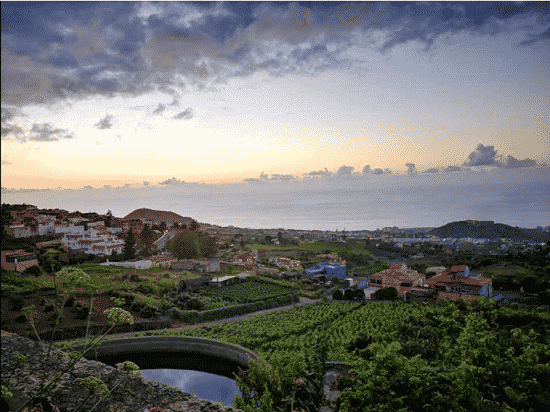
x=20 y=231
x=52 y=243
x=18 y=260
x=398 y=276
x=463 y=282
x=245 y=260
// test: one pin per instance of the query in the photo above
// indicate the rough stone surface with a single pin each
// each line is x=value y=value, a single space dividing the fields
x=128 y=394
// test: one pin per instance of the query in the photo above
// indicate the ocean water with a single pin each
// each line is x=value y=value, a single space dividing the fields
x=515 y=197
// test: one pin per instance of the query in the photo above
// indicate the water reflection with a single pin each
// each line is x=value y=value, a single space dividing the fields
x=205 y=385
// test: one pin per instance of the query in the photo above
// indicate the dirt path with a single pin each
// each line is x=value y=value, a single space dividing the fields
x=184 y=326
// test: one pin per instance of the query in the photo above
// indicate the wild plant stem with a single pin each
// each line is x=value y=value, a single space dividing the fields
x=46 y=389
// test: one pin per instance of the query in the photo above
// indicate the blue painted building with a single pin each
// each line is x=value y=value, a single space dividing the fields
x=330 y=270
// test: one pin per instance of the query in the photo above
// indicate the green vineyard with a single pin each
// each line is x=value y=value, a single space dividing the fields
x=407 y=356
x=249 y=291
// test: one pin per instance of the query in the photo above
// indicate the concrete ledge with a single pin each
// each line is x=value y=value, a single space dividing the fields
x=205 y=350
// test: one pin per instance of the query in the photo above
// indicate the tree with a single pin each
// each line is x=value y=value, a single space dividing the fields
x=33 y=270
x=385 y=294
x=185 y=245
x=129 y=250
x=163 y=226
x=176 y=225
x=147 y=237
x=207 y=245
x=348 y=294
x=194 y=226
x=50 y=261
x=337 y=295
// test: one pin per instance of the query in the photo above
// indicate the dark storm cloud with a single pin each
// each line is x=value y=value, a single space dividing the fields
x=53 y=51
x=185 y=115
x=105 y=123
x=45 y=132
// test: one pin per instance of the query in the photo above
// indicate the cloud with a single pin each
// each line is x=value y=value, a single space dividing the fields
x=6 y=162
x=146 y=183
x=483 y=155
x=172 y=181
x=380 y=171
x=432 y=170
x=161 y=107
x=411 y=168
x=185 y=115
x=536 y=38
x=175 y=102
x=83 y=50
x=512 y=162
x=88 y=187
x=280 y=177
x=105 y=123
x=345 y=171
x=43 y=132
x=452 y=169
x=319 y=173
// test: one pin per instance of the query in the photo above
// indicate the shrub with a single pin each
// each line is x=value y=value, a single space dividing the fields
x=17 y=302
x=337 y=295
x=33 y=270
x=385 y=294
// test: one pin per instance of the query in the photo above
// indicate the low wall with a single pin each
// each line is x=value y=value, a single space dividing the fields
x=174 y=352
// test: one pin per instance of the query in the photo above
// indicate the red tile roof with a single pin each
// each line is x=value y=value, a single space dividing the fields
x=456 y=269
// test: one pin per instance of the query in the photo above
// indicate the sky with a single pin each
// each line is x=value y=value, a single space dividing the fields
x=178 y=99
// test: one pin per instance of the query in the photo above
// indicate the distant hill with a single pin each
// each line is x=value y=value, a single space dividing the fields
x=159 y=216
x=490 y=230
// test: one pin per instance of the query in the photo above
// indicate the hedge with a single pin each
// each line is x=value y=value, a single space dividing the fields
x=193 y=316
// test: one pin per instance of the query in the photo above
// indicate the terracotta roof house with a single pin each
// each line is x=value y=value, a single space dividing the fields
x=398 y=276
x=18 y=260
x=460 y=280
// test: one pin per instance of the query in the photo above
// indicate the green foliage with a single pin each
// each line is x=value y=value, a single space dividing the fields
x=50 y=261
x=19 y=358
x=12 y=281
x=94 y=385
x=117 y=316
x=337 y=295
x=385 y=294
x=250 y=290
x=129 y=249
x=147 y=237
x=33 y=271
x=129 y=367
x=6 y=393
x=185 y=245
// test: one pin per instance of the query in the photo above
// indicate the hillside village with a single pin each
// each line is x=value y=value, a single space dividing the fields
x=438 y=266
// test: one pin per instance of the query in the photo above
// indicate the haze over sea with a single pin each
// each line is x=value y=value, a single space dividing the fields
x=518 y=197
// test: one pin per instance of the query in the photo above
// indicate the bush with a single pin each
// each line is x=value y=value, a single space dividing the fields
x=33 y=271
x=337 y=295
x=17 y=303
x=385 y=294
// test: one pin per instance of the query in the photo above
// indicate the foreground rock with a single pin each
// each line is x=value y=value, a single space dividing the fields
x=127 y=393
